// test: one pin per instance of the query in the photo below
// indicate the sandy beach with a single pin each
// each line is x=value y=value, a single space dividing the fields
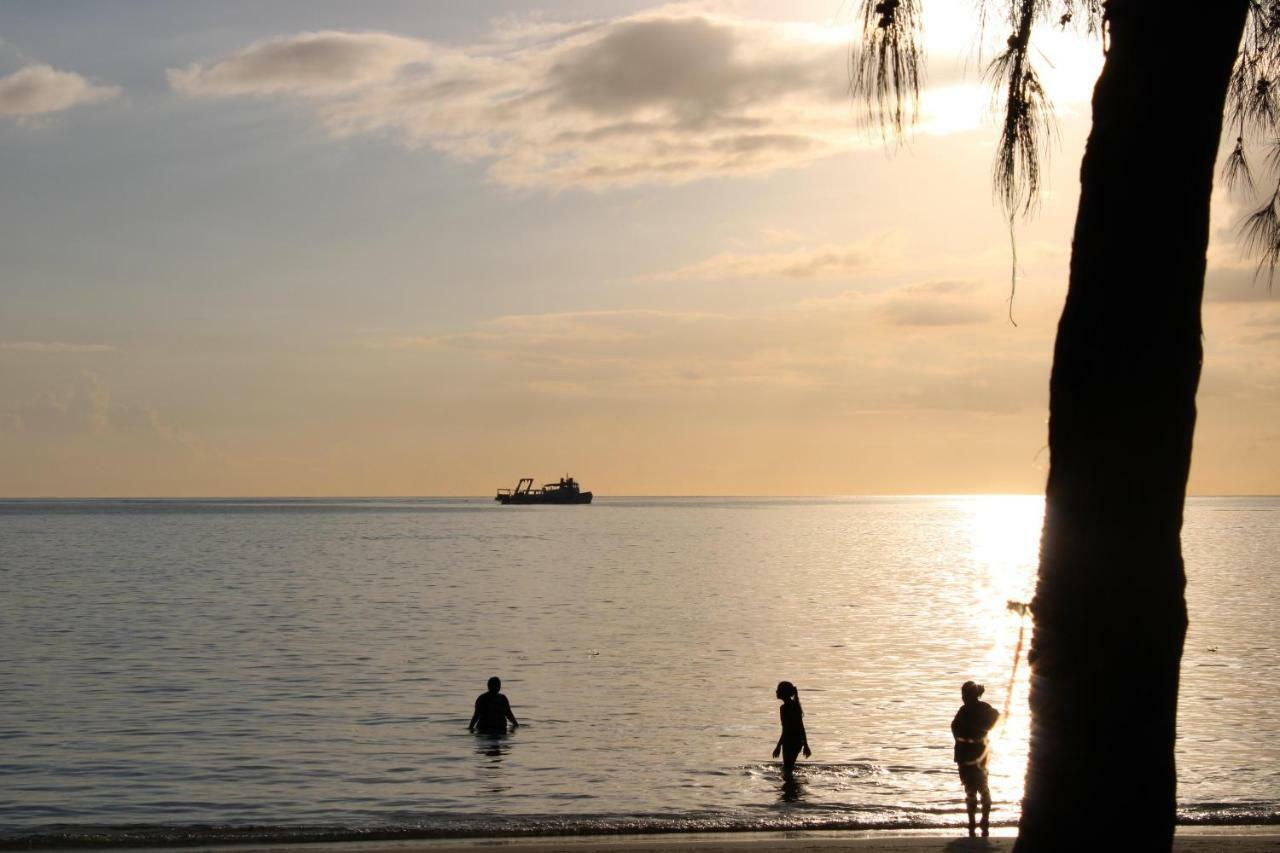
x=1243 y=839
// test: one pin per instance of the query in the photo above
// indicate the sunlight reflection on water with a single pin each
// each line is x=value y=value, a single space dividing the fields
x=1004 y=542
x=315 y=662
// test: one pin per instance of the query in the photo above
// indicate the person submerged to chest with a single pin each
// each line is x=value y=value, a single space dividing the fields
x=492 y=711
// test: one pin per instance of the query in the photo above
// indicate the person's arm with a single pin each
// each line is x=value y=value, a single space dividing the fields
x=510 y=716
x=475 y=718
x=804 y=735
x=782 y=717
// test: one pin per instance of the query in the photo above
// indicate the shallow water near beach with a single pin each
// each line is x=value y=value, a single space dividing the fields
x=213 y=670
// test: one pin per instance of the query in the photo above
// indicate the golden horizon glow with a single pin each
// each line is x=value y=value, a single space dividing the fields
x=460 y=251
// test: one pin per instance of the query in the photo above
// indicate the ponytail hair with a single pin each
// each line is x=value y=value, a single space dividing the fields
x=788 y=692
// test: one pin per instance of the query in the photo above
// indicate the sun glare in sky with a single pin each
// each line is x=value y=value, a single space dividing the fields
x=316 y=248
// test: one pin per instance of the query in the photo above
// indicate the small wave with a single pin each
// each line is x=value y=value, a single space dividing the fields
x=1259 y=813
x=526 y=826
x=63 y=837
x=818 y=770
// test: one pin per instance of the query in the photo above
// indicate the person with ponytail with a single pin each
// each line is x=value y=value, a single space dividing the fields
x=793 y=737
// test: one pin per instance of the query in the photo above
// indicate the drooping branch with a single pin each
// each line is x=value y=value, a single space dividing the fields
x=1236 y=170
x=1028 y=117
x=1254 y=111
x=1261 y=232
x=887 y=72
x=1090 y=15
x=887 y=68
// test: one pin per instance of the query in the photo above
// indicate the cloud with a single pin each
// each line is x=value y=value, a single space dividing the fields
x=850 y=351
x=663 y=97
x=39 y=89
x=942 y=288
x=82 y=408
x=88 y=407
x=317 y=64
x=936 y=303
x=52 y=347
x=1238 y=284
x=919 y=313
x=626 y=351
x=821 y=263
x=695 y=71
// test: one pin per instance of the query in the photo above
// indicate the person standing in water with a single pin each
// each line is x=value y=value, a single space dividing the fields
x=492 y=711
x=793 y=737
x=970 y=727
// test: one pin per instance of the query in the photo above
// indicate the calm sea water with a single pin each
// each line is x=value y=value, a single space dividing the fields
x=307 y=668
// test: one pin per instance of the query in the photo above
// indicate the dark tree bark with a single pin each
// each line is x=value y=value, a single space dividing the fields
x=1110 y=616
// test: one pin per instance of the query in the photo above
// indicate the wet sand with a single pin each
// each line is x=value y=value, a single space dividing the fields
x=1189 y=840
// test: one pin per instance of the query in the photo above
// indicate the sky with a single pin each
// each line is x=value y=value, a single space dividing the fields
x=404 y=248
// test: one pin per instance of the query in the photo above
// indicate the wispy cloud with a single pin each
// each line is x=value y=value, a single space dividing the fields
x=52 y=347
x=895 y=350
x=663 y=97
x=39 y=89
x=314 y=64
x=1230 y=284
x=937 y=303
x=830 y=262
x=88 y=407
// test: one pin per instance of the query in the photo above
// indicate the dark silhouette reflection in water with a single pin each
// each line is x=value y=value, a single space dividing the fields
x=793 y=789
x=494 y=746
x=960 y=845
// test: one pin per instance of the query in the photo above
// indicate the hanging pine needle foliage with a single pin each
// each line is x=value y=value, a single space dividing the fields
x=887 y=71
x=1253 y=109
x=1024 y=139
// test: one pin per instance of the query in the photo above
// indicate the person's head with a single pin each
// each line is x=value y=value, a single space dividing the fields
x=787 y=690
x=495 y=684
x=971 y=691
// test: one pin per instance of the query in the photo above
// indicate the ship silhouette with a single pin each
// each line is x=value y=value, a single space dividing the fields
x=567 y=491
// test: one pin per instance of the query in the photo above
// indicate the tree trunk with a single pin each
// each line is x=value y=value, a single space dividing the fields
x=1110 y=617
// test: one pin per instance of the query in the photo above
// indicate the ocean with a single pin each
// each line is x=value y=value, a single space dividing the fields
x=192 y=670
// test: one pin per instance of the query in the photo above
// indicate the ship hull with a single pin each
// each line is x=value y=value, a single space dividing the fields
x=551 y=499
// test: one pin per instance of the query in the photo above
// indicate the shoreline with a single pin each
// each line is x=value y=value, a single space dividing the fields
x=1251 y=839
x=1243 y=838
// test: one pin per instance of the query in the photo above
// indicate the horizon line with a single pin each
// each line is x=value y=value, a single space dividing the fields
x=369 y=497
